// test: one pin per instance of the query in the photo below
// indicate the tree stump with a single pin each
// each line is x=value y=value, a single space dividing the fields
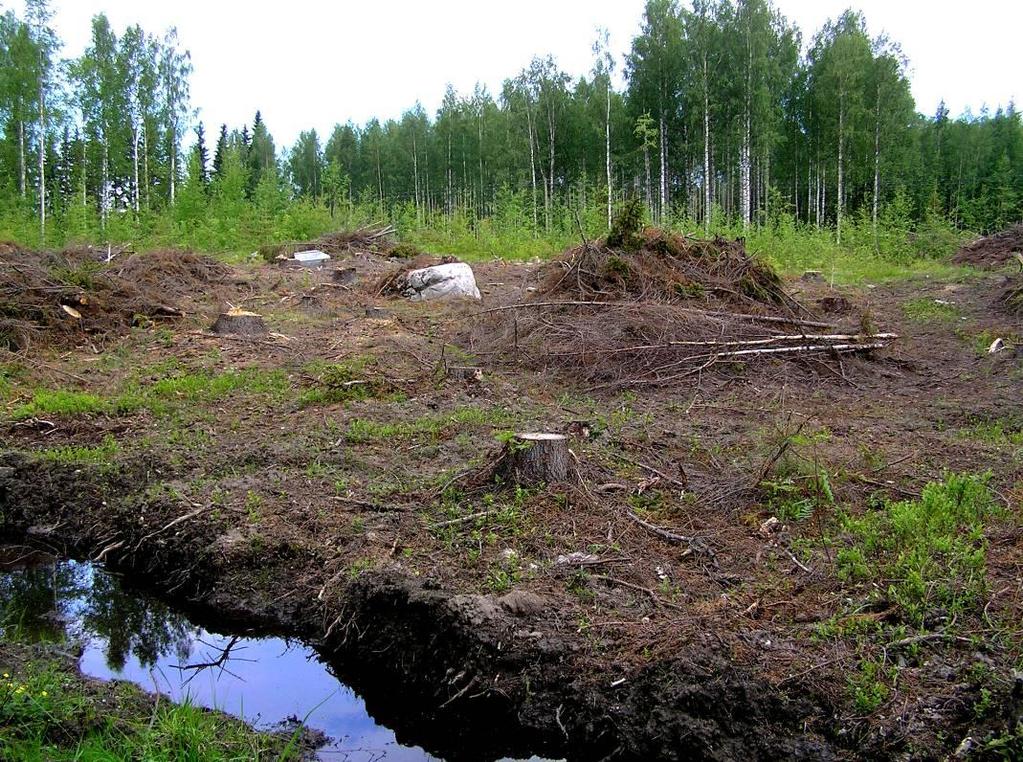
x=537 y=458
x=466 y=373
x=345 y=276
x=240 y=323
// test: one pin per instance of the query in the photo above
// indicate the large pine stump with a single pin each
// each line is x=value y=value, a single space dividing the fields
x=240 y=323
x=537 y=458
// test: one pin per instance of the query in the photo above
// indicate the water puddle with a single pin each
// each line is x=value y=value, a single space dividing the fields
x=128 y=635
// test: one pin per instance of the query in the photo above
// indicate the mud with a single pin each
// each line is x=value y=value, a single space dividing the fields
x=316 y=514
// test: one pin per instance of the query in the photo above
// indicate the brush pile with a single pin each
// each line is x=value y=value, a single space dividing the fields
x=376 y=240
x=668 y=309
x=994 y=250
x=60 y=297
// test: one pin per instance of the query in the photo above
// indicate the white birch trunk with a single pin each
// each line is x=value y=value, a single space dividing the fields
x=707 y=186
x=173 y=163
x=841 y=173
x=42 y=160
x=663 y=190
x=22 y=185
x=877 y=166
x=532 y=166
x=607 y=150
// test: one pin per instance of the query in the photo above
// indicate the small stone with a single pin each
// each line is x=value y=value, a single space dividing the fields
x=520 y=603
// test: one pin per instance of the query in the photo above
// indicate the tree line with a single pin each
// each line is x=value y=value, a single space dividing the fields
x=727 y=117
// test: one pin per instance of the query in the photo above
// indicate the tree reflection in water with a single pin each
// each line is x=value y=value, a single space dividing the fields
x=46 y=600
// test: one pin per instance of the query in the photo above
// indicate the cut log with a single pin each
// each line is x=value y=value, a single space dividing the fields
x=467 y=373
x=537 y=458
x=240 y=323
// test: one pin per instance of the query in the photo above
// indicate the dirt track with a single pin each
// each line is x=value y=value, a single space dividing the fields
x=297 y=501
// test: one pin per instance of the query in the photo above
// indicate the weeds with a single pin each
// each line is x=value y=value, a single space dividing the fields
x=930 y=310
x=70 y=455
x=928 y=553
x=48 y=714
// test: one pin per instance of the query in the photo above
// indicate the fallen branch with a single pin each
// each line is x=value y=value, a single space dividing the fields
x=461 y=519
x=683 y=483
x=632 y=305
x=653 y=596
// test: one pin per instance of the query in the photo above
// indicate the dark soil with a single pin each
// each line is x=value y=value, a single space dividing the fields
x=337 y=496
x=994 y=250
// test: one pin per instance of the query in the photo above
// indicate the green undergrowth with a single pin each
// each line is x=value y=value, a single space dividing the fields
x=924 y=555
x=80 y=455
x=49 y=714
x=335 y=383
x=925 y=310
x=160 y=396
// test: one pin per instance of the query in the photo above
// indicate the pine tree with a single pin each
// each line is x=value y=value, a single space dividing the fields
x=220 y=152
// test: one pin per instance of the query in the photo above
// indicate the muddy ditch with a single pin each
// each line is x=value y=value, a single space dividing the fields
x=461 y=676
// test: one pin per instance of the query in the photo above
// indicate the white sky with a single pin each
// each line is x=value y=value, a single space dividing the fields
x=311 y=64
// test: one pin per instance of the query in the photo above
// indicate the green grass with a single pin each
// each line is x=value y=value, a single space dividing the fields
x=339 y=382
x=61 y=402
x=1000 y=431
x=925 y=554
x=161 y=397
x=70 y=455
x=49 y=715
x=929 y=310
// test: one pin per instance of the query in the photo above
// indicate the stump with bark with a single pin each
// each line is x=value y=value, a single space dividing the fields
x=537 y=458
x=239 y=323
x=467 y=373
x=345 y=276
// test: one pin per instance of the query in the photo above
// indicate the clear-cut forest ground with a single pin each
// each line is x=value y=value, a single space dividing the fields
x=810 y=555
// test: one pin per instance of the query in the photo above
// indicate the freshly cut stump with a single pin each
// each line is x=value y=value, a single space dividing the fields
x=537 y=458
x=240 y=323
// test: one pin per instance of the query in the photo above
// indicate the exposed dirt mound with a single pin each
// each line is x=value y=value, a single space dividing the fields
x=377 y=240
x=60 y=297
x=993 y=250
x=667 y=309
x=1012 y=296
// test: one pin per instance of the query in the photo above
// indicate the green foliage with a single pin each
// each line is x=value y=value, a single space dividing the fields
x=339 y=382
x=61 y=402
x=115 y=723
x=927 y=310
x=162 y=397
x=71 y=455
x=869 y=686
x=925 y=554
x=627 y=225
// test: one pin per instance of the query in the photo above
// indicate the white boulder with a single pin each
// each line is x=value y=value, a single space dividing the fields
x=439 y=282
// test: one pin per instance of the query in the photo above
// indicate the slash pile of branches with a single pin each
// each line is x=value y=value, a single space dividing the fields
x=668 y=309
x=379 y=239
x=59 y=297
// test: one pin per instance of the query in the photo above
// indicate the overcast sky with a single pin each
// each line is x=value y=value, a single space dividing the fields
x=308 y=64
